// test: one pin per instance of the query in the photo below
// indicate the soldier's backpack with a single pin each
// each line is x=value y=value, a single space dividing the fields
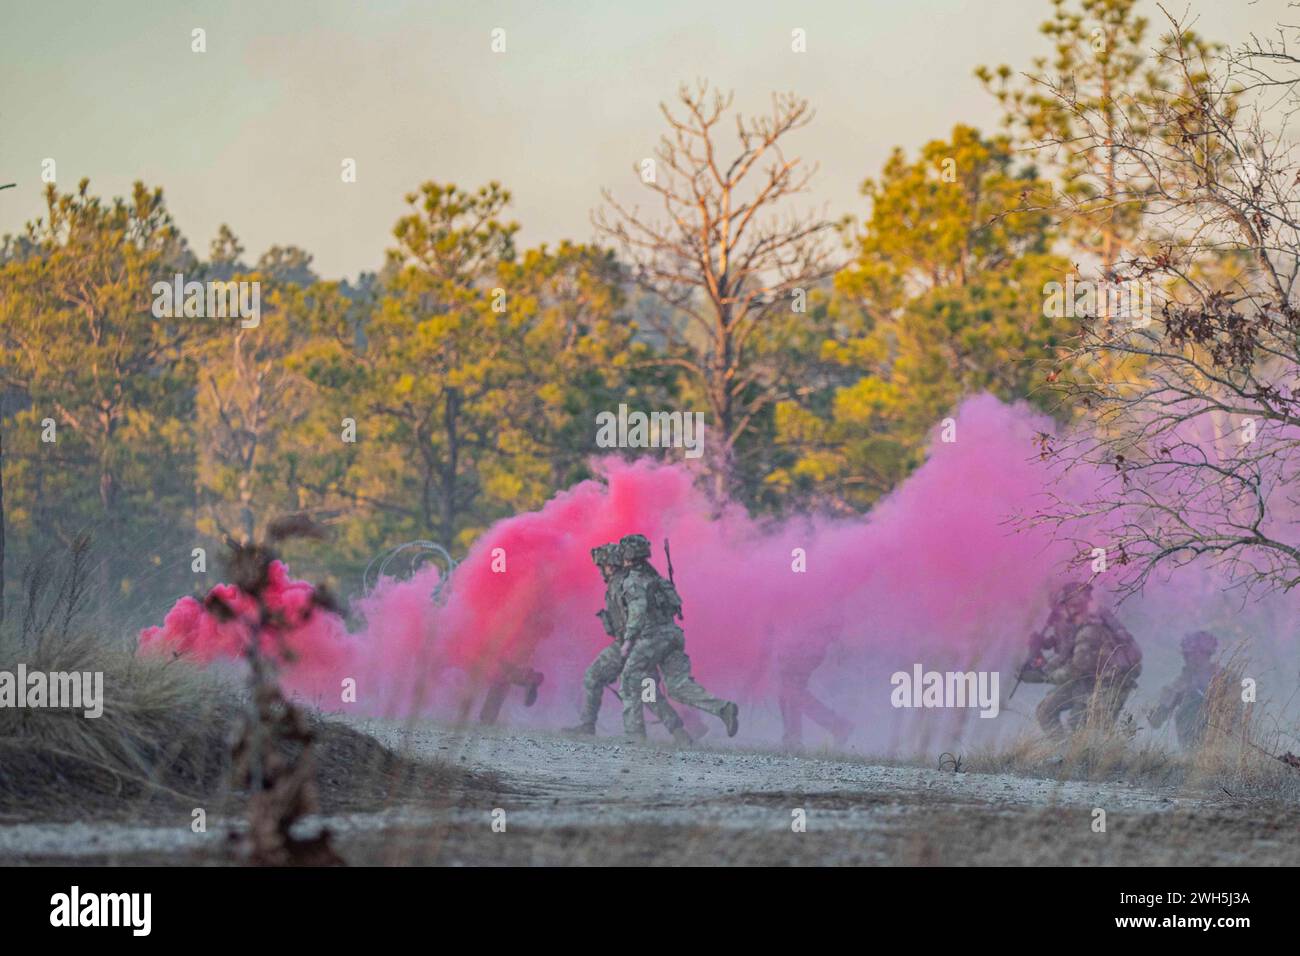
x=1124 y=653
x=665 y=600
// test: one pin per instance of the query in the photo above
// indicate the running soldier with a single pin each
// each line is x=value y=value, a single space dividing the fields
x=608 y=664
x=509 y=675
x=795 y=666
x=651 y=638
x=1088 y=655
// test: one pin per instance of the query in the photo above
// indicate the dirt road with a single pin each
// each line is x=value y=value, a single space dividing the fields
x=574 y=800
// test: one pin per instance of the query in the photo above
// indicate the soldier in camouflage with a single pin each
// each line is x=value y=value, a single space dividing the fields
x=1088 y=655
x=1185 y=698
x=651 y=638
x=608 y=664
x=509 y=675
x=795 y=663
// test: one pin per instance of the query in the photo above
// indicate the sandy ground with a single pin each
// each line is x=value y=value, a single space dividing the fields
x=582 y=800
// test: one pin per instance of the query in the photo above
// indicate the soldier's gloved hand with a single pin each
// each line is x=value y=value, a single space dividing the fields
x=1033 y=675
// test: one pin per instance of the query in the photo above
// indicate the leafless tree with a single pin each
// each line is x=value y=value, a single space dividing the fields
x=1195 y=427
x=2 y=496
x=726 y=255
x=247 y=391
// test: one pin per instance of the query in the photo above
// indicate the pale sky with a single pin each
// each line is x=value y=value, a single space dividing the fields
x=253 y=132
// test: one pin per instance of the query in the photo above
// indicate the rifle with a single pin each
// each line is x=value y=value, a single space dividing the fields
x=1020 y=676
x=668 y=556
x=1035 y=659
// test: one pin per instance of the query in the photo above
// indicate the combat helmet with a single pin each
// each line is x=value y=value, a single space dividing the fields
x=634 y=547
x=1200 y=642
x=1071 y=591
x=606 y=554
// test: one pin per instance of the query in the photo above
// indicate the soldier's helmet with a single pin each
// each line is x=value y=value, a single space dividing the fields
x=606 y=554
x=1072 y=593
x=634 y=547
x=1200 y=642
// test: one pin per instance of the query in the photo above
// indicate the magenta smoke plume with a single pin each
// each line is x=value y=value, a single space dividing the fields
x=939 y=573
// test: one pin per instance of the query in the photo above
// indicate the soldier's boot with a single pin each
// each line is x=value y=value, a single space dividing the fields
x=681 y=737
x=730 y=718
x=531 y=683
x=634 y=739
x=583 y=729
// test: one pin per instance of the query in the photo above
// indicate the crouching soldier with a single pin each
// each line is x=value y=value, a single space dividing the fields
x=1186 y=699
x=1090 y=657
x=652 y=639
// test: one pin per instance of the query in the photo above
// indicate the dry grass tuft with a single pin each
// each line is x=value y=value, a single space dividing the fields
x=162 y=745
x=1240 y=749
x=161 y=729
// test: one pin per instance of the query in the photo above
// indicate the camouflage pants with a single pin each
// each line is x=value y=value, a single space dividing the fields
x=1190 y=720
x=1072 y=699
x=796 y=701
x=603 y=671
x=508 y=675
x=665 y=649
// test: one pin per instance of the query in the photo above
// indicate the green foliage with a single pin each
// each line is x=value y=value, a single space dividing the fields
x=478 y=373
x=944 y=299
x=81 y=348
x=474 y=370
x=1096 y=87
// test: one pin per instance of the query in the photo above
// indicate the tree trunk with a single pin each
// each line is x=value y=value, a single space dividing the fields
x=108 y=502
x=247 y=521
x=724 y=368
x=447 y=504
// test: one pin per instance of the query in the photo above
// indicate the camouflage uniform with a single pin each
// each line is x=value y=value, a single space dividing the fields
x=1185 y=698
x=653 y=639
x=1090 y=653
x=506 y=676
x=607 y=666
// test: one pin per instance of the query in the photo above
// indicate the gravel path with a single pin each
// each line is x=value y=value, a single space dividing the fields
x=557 y=782
x=585 y=774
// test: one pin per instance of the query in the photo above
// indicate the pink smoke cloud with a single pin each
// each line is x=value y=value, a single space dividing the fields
x=313 y=646
x=938 y=573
